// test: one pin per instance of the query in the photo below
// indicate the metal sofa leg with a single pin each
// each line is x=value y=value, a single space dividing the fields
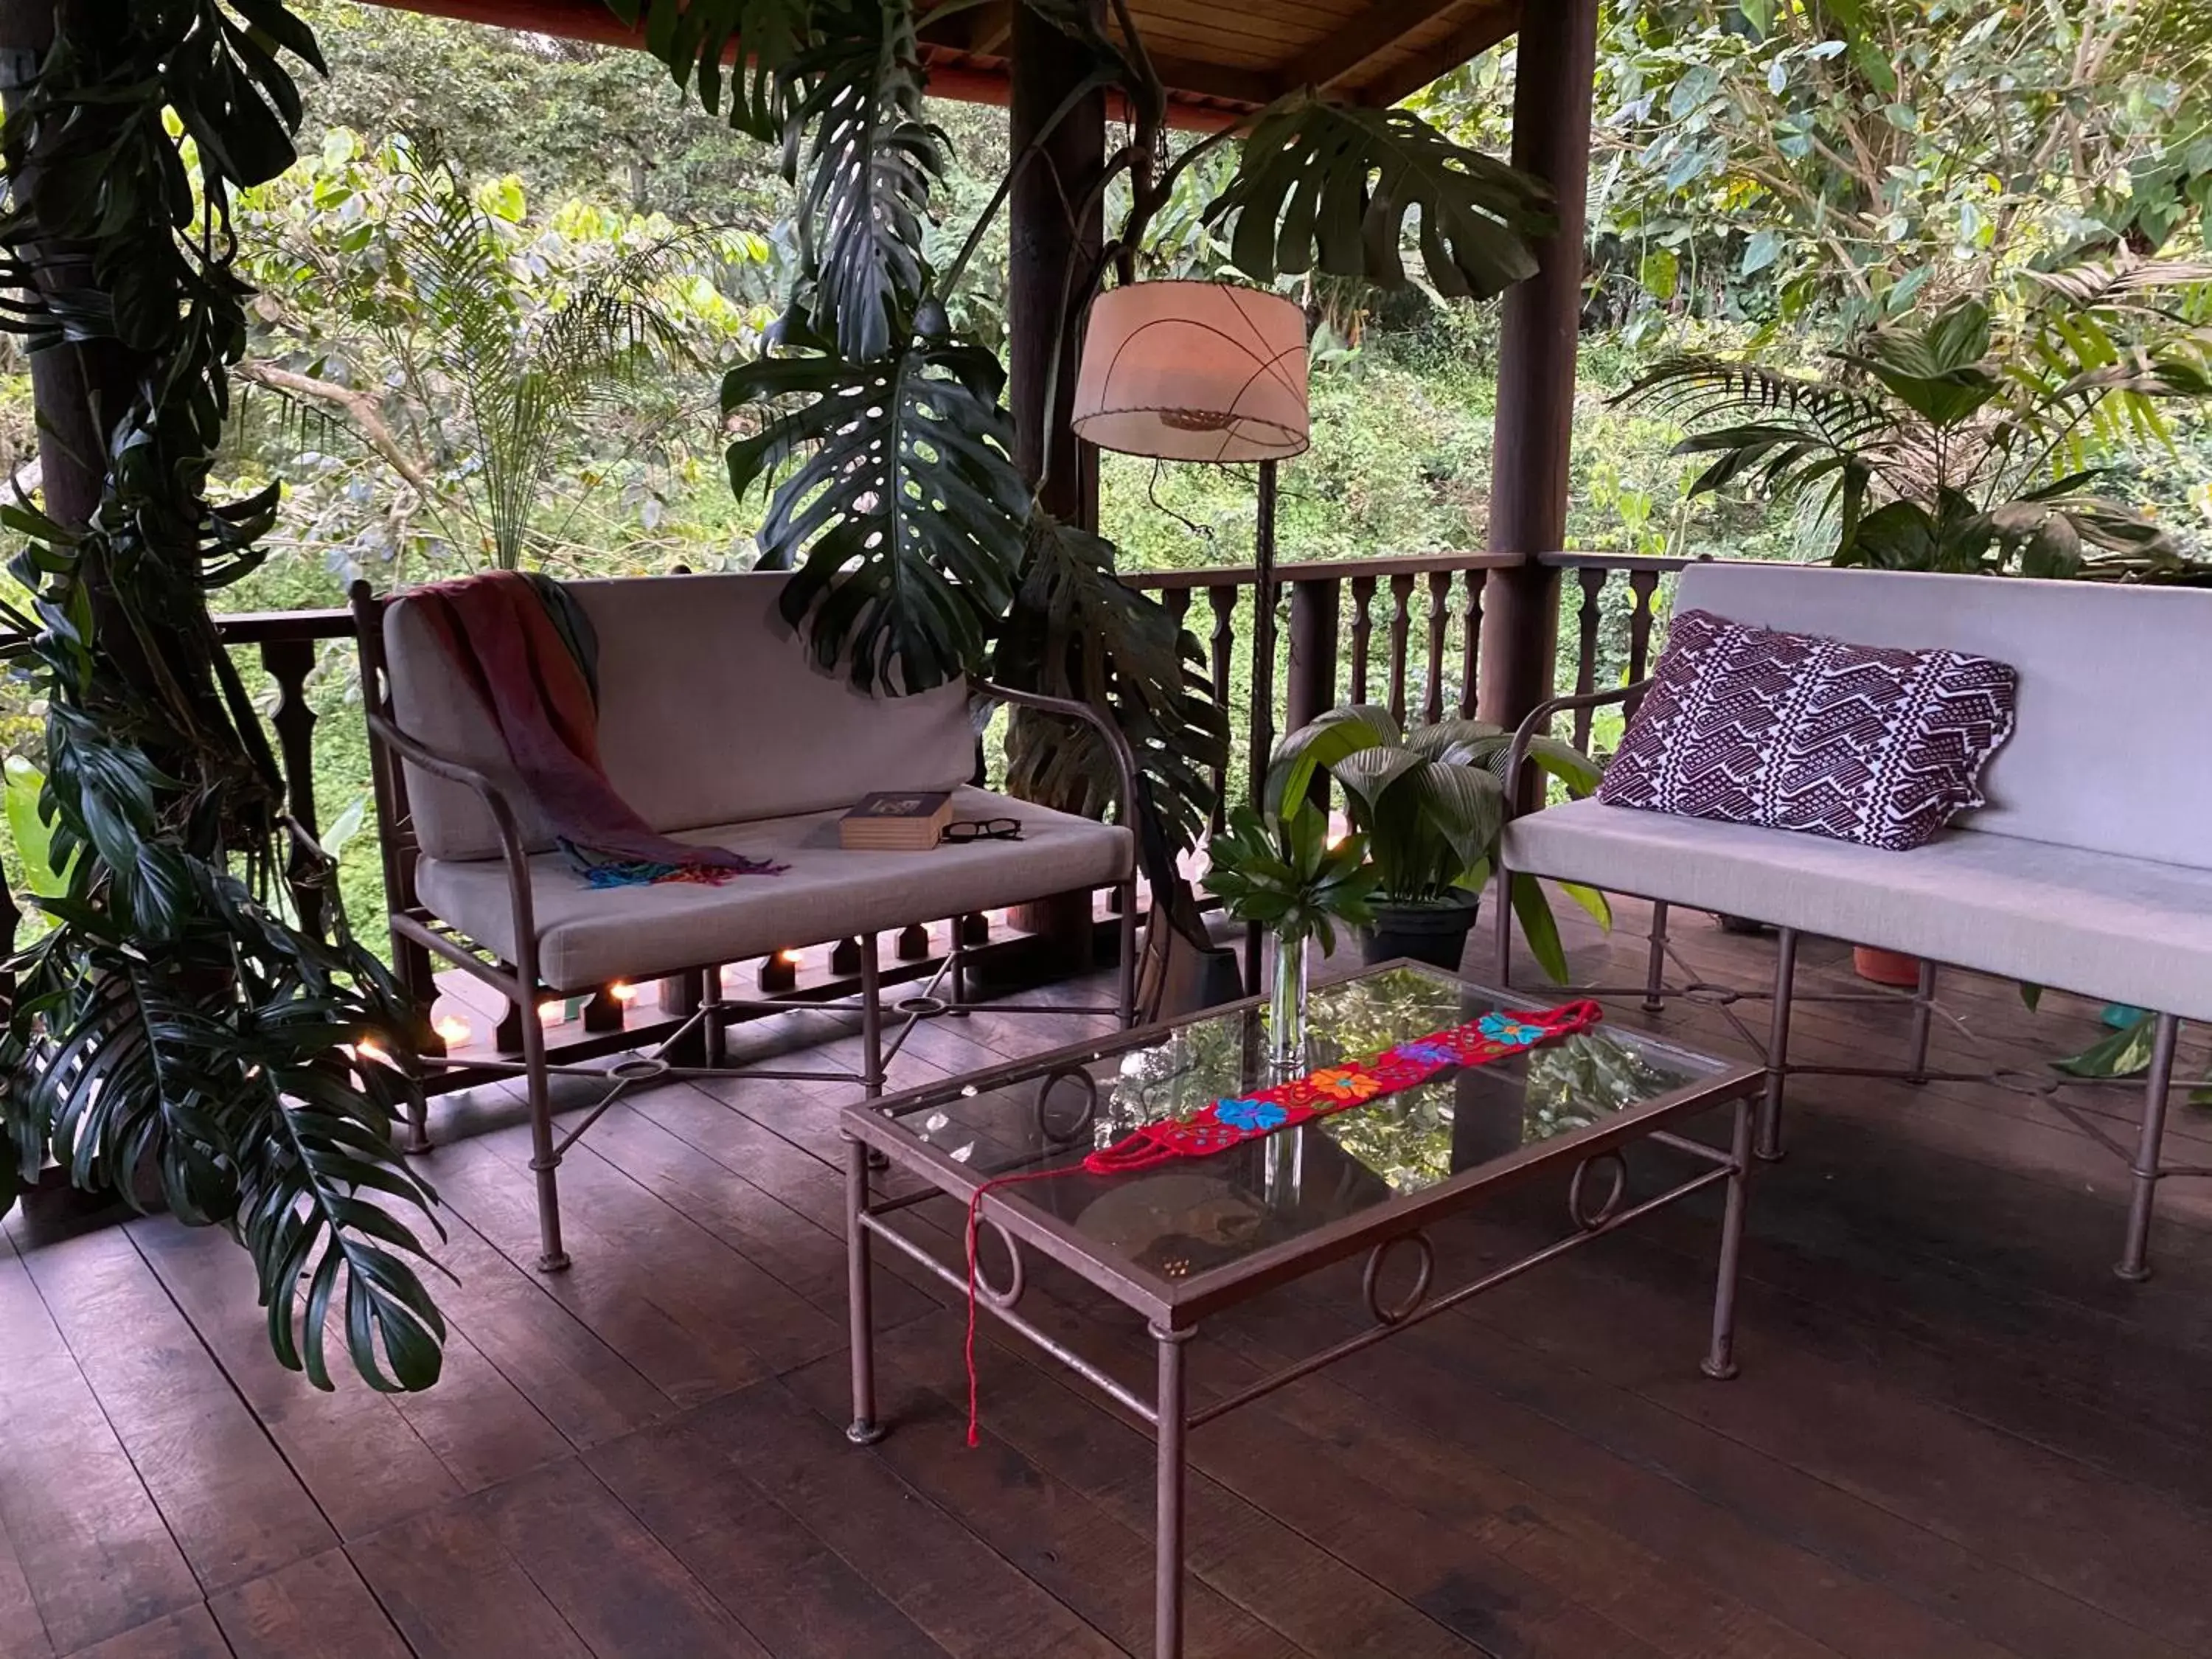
x=1655 y=970
x=1502 y=963
x=1924 y=1015
x=545 y=1161
x=872 y=1019
x=1777 y=1046
x=2134 y=1254
x=1126 y=969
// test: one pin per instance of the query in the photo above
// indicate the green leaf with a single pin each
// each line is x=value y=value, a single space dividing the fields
x=871 y=162
x=1660 y=273
x=692 y=38
x=1077 y=630
x=1534 y=912
x=32 y=833
x=1761 y=251
x=1330 y=187
x=1320 y=744
x=904 y=518
x=2125 y=1052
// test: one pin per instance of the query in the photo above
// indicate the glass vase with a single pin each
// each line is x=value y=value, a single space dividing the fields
x=1286 y=1011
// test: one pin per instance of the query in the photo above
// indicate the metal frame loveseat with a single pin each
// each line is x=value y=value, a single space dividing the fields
x=716 y=726
x=2089 y=870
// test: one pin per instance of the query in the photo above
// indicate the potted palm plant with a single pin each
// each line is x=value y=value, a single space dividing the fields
x=1431 y=802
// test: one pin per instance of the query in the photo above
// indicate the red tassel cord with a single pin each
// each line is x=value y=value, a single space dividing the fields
x=1232 y=1121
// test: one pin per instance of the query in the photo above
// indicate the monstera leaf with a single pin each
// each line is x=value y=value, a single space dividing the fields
x=1325 y=186
x=1077 y=630
x=870 y=162
x=692 y=37
x=903 y=516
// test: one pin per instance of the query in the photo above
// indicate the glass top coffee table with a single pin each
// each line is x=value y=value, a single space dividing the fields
x=1176 y=1242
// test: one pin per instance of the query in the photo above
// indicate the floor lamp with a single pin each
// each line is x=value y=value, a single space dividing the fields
x=1211 y=373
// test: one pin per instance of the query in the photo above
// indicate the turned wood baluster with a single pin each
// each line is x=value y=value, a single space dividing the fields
x=1432 y=704
x=1471 y=644
x=1362 y=633
x=1312 y=688
x=1177 y=603
x=289 y=662
x=1401 y=627
x=1594 y=579
x=1642 y=584
x=1224 y=601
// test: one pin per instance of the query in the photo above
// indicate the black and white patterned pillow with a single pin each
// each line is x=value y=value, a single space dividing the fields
x=1796 y=732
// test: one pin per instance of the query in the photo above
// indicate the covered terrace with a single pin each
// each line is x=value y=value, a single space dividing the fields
x=1955 y=1435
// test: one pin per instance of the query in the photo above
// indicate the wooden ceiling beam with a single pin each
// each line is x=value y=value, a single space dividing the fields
x=981 y=30
x=1342 y=56
x=1477 y=35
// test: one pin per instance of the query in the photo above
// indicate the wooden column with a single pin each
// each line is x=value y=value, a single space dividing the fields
x=1556 y=64
x=75 y=389
x=1050 y=251
x=1052 y=242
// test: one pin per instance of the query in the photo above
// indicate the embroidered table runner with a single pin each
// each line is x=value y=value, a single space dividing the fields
x=1235 y=1119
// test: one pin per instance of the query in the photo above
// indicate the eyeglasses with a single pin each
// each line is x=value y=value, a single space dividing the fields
x=966 y=829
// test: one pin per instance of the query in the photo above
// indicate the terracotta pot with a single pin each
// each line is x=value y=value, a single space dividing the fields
x=1886 y=966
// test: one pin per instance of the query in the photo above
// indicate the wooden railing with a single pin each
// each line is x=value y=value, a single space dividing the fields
x=1405 y=632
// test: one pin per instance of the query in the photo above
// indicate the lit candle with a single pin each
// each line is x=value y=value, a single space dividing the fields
x=454 y=1030
x=623 y=990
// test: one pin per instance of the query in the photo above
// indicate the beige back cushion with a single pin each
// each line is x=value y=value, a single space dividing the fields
x=2112 y=752
x=710 y=712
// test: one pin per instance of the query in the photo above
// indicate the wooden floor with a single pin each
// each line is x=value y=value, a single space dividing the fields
x=1956 y=1435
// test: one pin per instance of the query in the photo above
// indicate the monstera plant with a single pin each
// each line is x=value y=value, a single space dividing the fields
x=1941 y=444
x=180 y=1033
x=918 y=551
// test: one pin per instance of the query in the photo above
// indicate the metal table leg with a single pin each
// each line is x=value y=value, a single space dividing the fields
x=859 y=1298
x=1720 y=1358
x=1167 y=1564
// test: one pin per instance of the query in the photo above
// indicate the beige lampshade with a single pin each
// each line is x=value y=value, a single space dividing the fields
x=1193 y=372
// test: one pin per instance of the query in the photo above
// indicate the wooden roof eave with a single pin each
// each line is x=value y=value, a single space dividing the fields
x=1366 y=52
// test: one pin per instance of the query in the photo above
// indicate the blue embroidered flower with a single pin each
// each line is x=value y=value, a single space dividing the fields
x=1427 y=1054
x=1253 y=1116
x=1515 y=1033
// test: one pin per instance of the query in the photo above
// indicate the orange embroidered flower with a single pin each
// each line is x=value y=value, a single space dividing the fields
x=1346 y=1083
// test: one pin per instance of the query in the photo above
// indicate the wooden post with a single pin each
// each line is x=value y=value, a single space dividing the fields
x=1556 y=64
x=1312 y=691
x=77 y=390
x=1048 y=254
x=1052 y=247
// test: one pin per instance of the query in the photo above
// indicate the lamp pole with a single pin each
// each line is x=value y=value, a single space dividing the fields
x=1262 y=731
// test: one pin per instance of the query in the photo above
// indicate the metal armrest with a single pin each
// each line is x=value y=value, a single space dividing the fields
x=1125 y=759
x=1539 y=717
x=512 y=854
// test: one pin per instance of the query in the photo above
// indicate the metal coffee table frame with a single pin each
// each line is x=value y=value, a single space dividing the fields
x=1598 y=1203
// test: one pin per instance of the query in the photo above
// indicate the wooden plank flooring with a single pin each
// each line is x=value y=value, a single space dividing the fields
x=1956 y=1435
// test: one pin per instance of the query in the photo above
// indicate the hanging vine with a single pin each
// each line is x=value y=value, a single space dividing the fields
x=176 y=1034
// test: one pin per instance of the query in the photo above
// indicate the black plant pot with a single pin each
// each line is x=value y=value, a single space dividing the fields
x=1434 y=933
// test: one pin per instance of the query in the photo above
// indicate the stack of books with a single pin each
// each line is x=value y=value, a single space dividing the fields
x=896 y=821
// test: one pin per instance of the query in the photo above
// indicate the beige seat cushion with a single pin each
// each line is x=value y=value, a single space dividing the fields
x=587 y=936
x=2128 y=929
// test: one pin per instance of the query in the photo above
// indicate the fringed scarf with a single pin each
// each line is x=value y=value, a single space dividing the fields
x=525 y=648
